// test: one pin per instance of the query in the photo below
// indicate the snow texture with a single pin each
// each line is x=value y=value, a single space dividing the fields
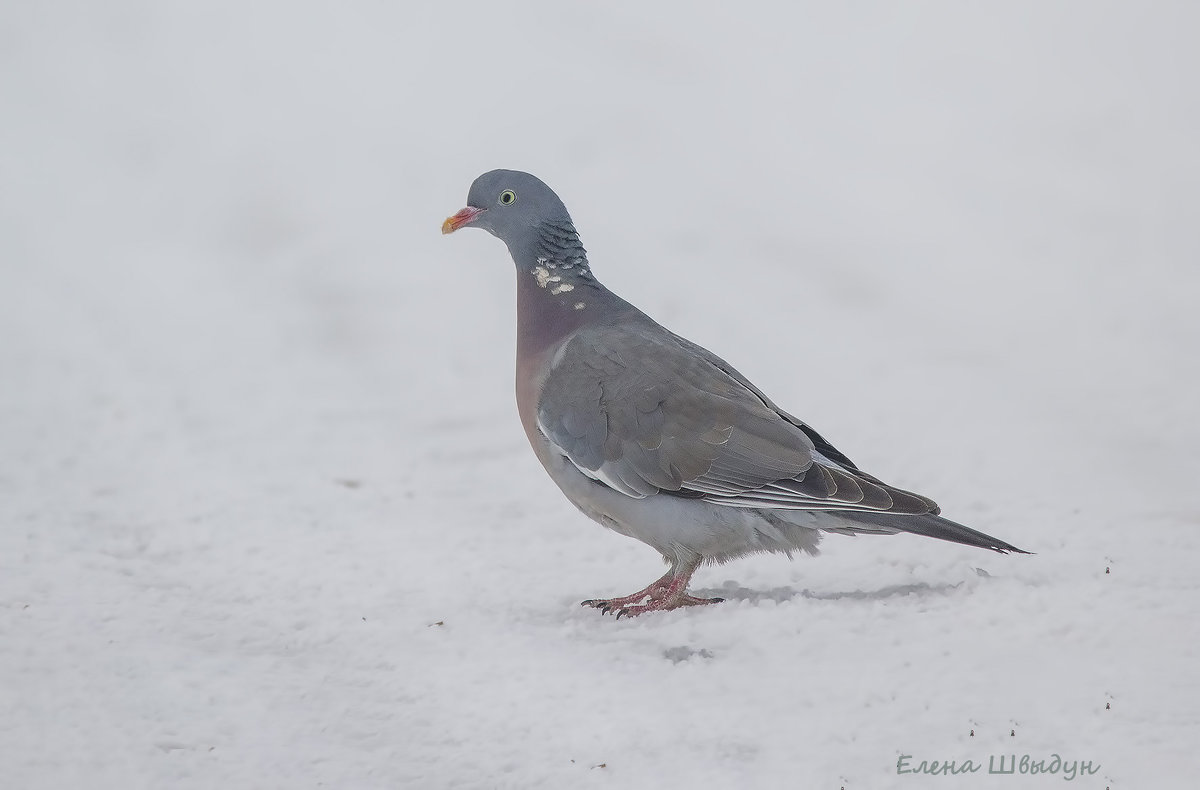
x=267 y=518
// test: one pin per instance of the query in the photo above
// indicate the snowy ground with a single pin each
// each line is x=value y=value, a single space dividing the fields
x=267 y=518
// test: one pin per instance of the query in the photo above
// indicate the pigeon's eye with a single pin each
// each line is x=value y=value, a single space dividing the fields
x=508 y=197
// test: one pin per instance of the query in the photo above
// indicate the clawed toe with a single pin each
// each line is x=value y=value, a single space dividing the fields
x=608 y=605
x=665 y=594
x=617 y=605
x=691 y=600
x=663 y=601
x=665 y=604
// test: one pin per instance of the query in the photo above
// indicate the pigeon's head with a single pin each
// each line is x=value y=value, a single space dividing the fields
x=514 y=207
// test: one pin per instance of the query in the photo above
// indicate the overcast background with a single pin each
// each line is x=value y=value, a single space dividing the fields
x=267 y=518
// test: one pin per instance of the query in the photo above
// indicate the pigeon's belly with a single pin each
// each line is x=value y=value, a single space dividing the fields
x=677 y=527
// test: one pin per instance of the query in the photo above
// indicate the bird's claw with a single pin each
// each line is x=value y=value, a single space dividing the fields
x=611 y=605
x=631 y=606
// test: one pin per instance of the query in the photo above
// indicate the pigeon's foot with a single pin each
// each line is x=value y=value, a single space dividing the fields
x=664 y=604
x=656 y=588
x=665 y=594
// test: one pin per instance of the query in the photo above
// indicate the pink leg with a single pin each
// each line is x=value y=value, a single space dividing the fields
x=655 y=587
x=665 y=594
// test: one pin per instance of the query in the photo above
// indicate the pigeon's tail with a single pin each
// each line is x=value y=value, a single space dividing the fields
x=932 y=526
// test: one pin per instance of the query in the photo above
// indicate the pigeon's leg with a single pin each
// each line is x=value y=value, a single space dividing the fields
x=655 y=587
x=665 y=594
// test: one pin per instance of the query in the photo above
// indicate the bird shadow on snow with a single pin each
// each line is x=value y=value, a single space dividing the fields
x=732 y=592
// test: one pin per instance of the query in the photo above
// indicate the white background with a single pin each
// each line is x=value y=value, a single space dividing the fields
x=267 y=518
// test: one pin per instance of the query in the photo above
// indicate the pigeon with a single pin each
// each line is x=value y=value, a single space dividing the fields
x=654 y=436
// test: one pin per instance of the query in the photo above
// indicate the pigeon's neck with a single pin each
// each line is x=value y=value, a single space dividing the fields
x=555 y=287
x=556 y=245
x=552 y=302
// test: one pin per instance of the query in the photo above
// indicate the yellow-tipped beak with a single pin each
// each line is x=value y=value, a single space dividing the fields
x=464 y=217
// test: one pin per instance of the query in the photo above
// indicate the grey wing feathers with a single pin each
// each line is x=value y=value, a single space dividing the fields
x=647 y=412
x=819 y=442
x=644 y=418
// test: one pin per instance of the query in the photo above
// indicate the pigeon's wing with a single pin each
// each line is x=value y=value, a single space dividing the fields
x=823 y=446
x=644 y=413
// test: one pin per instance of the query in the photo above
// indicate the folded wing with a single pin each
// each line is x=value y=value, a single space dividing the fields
x=646 y=412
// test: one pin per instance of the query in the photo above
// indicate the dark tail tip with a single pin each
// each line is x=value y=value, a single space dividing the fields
x=932 y=526
x=945 y=529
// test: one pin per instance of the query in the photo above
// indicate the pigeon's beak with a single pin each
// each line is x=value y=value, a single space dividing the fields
x=464 y=217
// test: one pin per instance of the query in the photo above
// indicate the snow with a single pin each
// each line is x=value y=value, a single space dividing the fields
x=267 y=518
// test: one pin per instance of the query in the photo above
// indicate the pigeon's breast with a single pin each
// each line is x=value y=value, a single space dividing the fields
x=546 y=322
x=532 y=370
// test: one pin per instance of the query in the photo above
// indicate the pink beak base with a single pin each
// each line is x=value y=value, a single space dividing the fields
x=464 y=217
